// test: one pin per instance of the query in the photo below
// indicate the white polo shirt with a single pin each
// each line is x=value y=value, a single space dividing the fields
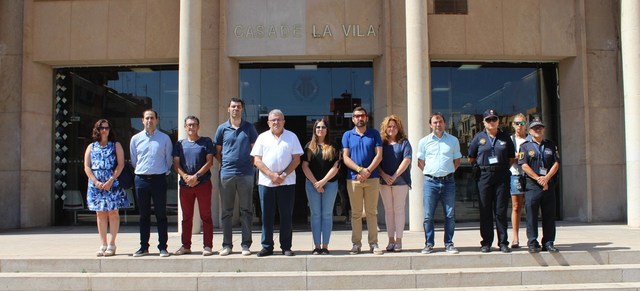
x=277 y=154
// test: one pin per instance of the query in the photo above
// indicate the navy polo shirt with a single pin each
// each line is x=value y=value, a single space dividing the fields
x=362 y=149
x=193 y=155
x=236 y=148
x=482 y=147
x=537 y=156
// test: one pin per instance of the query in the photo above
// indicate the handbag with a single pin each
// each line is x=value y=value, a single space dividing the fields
x=125 y=180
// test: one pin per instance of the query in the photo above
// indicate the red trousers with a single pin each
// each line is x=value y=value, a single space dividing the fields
x=188 y=196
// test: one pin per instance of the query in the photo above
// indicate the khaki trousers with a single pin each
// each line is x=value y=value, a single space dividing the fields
x=364 y=194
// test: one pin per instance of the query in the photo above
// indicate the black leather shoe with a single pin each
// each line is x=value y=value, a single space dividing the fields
x=288 y=253
x=550 y=248
x=485 y=249
x=265 y=252
x=534 y=249
x=505 y=249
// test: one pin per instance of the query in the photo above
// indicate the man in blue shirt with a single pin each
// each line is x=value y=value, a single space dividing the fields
x=234 y=139
x=438 y=158
x=362 y=153
x=192 y=159
x=151 y=157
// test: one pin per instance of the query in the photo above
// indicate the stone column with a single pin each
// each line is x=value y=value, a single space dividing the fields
x=189 y=74
x=418 y=98
x=630 y=38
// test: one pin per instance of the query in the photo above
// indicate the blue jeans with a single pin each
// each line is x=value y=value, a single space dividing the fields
x=229 y=186
x=321 y=206
x=444 y=191
x=282 y=197
x=154 y=187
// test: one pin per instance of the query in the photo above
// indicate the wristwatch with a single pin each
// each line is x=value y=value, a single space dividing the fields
x=284 y=174
x=198 y=176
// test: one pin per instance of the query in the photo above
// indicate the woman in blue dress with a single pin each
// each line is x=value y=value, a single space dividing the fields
x=103 y=163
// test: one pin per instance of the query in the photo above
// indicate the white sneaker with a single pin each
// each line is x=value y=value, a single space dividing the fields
x=451 y=249
x=427 y=249
x=207 y=251
x=376 y=250
x=246 y=251
x=354 y=250
x=225 y=251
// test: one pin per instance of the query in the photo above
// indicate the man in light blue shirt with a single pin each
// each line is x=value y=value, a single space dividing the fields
x=438 y=158
x=152 y=160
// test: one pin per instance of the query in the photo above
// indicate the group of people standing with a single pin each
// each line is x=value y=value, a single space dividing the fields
x=377 y=164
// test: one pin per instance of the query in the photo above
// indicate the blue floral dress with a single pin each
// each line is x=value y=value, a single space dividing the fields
x=103 y=162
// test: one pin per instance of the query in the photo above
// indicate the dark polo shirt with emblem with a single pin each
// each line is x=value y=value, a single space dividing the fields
x=482 y=148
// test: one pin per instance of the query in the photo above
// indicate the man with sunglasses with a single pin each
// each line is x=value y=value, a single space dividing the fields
x=492 y=152
x=362 y=153
x=540 y=161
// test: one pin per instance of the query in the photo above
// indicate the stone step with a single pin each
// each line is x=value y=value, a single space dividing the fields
x=335 y=262
x=627 y=286
x=379 y=279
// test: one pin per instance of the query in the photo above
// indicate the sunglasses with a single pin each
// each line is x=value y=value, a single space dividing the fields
x=491 y=119
x=103 y=128
x=522 y=123
x=321 y=127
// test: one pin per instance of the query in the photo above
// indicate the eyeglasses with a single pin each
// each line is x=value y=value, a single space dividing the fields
x=321 y=127
x=359 y=115
x=103 y=128
x=276 y=120
x=491 y=119
x=521 y=123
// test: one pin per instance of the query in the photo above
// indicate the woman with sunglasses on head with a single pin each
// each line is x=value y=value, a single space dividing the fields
x=320 y=163
x=517 y=178
x=492 y=152
x=103 y=163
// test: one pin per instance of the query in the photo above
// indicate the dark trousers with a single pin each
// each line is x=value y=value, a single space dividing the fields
x=154 y=187
x=282 y=198
x=188 y=197
x=536 y=199
x=494 y=196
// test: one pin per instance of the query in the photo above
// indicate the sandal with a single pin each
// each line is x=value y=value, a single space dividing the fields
x=515 y=244
x=101 y=250
x=110 y=251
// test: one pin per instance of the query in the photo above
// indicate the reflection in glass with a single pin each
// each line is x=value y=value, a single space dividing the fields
x=119 y=94
x=462 y=92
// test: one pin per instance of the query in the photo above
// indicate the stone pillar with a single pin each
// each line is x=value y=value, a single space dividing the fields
x=418 y=98
x=630 y=38
x=189 y=75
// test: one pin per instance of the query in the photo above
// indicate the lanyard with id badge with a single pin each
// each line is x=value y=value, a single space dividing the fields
x=493 y=159
x=540 y=153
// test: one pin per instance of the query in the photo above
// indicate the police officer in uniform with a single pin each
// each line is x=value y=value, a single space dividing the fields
x=491 y=153
x=540 y=161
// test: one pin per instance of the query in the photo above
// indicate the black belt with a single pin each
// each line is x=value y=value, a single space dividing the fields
x=439 y=178
x=149 y=177
x=492 y=168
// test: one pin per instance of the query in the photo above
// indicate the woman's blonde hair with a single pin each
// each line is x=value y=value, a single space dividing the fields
x=383 y=129
x=328 y=152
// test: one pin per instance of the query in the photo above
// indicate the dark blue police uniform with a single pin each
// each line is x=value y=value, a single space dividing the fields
x=540 y=157
x=492 y=157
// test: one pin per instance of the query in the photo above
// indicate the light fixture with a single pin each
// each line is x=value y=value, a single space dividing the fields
x=141 y=69
x=469 y=67
x=306 y=67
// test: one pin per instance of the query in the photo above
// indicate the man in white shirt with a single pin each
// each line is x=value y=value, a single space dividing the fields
x=276 y=154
